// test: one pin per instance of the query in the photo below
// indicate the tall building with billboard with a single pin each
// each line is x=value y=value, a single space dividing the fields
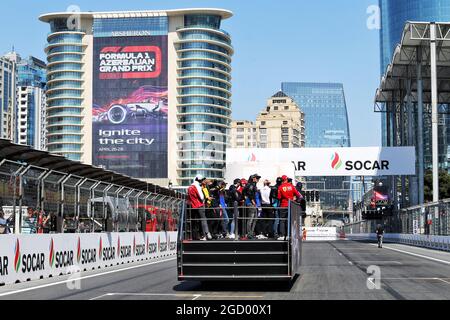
x=326 y=121
x=394 y=15
x=145 y=93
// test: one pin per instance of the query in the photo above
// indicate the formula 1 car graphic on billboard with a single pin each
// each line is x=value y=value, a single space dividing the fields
x=148 y=102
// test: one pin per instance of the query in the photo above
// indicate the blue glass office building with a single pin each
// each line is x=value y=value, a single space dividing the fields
x=326 y=122
x=325 y=110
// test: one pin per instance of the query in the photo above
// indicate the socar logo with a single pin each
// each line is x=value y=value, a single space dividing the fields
x=336 y=161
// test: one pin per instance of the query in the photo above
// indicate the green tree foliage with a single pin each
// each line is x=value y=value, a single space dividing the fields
x=444 y=185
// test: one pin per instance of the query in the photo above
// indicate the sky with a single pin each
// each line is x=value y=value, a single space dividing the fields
x=274 y=41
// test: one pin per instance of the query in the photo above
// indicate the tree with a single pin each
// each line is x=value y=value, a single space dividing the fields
x=444 y=185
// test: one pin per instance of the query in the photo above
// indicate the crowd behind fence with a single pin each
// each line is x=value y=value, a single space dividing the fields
x=38 y=200
x=427 y=219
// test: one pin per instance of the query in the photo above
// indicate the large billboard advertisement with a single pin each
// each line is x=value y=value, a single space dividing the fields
x=130 y=105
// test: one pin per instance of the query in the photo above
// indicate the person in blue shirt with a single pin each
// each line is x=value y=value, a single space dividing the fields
x=226 y=226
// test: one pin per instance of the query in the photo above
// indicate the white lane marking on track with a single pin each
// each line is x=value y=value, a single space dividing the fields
x=370 y=280
x=443 y=280
x=416 y=255
x=99 y=297
x=351 y=263
x=377 y=261
x=82 y=278
x=177 y=295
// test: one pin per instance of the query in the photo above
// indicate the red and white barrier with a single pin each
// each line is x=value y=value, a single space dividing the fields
x=31 y=257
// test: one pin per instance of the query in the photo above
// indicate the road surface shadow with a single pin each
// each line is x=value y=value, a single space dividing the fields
x=235 y=286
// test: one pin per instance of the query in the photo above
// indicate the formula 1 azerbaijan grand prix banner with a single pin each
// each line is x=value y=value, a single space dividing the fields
x=130 y=105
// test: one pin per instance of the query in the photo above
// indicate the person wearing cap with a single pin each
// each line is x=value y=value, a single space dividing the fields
x=196 y=201
x=251 y=194
x=218 y=214
x=286 y=193
x=209 y=188
x=265 y=226
x=276 y=204
x=234 y=201
x=224 y=212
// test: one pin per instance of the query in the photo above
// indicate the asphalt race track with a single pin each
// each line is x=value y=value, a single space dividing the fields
x=330 y=270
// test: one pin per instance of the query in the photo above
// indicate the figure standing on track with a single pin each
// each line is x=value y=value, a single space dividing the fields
x=286 y=193
x=380 y=234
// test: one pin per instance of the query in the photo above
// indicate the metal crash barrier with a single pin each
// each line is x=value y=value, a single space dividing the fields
x=38 y=200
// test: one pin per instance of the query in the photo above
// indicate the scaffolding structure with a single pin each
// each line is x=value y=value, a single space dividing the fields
x=417 y=84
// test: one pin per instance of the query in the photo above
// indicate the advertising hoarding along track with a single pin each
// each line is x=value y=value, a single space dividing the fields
x=130 y=105
x=313 y=162
x=30 y=257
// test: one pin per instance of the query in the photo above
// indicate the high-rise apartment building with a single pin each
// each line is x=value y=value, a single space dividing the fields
x=31 y=102
x=144 y=93
x=280 y=125
x=243 y=134
x=8 y=98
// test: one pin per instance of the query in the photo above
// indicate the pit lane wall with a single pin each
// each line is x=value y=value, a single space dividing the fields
x=32 y=257
x=424 y=241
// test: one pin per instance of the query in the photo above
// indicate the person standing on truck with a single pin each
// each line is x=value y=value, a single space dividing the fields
x=209 y=188
x=276 y=204
x=223 y=199
x=266 y=224
x=234 y=202
x=250 y=194
x=286 y=193
x=196 y=202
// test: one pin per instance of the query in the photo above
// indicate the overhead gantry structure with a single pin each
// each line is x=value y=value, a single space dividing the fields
x=417 y=83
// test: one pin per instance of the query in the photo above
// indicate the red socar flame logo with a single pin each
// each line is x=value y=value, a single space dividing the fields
x=52 y=253
x=100 y=248
x=336 y=161
x=79 y=250
x=118 y=246
x=17 y=257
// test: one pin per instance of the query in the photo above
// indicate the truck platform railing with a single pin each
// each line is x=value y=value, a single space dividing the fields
x=240 y=242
